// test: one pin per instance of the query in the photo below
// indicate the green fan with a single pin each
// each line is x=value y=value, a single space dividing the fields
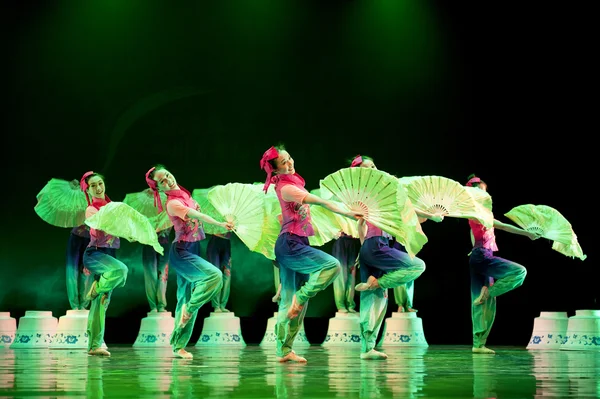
x=548 y=223
x=324 y=223
x=121 y=220
x=143 y=202
x=347 y=226
x=61 y=203
x=481 y=197
x=271 y=223
x=201 y=197
x=161 y=221
x=444 y=197
x=244 y=206
x=384 y=203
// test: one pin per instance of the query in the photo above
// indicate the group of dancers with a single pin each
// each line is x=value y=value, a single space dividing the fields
x=304 y=271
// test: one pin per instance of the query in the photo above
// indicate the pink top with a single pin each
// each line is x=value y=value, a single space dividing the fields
x=98 y=238
x=295 y=215
x=374 y=231
x=187 y=229
x=484 y=237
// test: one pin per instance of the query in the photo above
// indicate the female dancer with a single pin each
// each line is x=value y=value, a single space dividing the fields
x=381 y=267
x=304 y=270
x=198 y=281
x=491 y=275
x=100 y=259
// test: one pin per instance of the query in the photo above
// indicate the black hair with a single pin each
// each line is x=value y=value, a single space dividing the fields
x=273 y=162
x=477 y=184
x=158 y=166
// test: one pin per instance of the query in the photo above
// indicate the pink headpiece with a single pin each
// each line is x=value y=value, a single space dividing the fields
x=473 y=180
x=154 y=187
x=84 y=186
x=356 y=161
x=270 y=154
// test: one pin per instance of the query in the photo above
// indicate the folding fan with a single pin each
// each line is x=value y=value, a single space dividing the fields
x=271 y=225
x=379 y=197
x=346 y=225
x=481 y=197
x=201 y=197
x=160 y=221
x=548 y=223
x=244 y=206
x=121 y=220
x=61 y=203
x=324 y=224
x=143 y=202
x=444 y=197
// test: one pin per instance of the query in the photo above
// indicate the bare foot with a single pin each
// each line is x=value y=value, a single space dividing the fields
x=291 y=357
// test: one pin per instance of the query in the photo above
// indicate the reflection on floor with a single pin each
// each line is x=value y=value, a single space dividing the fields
x=252 y=372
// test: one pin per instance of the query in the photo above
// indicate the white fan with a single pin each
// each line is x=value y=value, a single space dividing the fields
x=271 y=223
x=200 y=195
x=121 y=220
x=548 y=223
x=384 y=203
x=444 y=197
x=244 y=206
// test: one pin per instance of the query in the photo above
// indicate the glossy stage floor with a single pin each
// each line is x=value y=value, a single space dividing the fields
x=253 y=372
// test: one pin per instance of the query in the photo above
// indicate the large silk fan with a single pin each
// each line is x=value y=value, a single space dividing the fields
x=161 y=221
x=444 y=197
x=61 y=203
x=481 y=197
x=201 y=197
x=244 y=206
x=324 y=224
x=548 y=223
x=271 y=224
x=121 y=220
x=346 y=225
x=143 y=202
x=382 y=200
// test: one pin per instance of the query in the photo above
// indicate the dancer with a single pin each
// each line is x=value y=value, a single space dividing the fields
x=381 y=267
x=218 y=252
x=79 y=278
x=304 y=270
x=491 y=275
x=100 y=258
x=156 y=272
x=198 y=281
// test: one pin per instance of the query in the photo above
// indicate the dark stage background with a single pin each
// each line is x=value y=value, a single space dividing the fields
x=424 y=87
